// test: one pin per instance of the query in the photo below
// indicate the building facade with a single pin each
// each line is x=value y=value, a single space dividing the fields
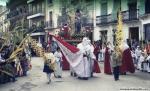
x=36 y=18
x=53 y=11
x=145 y=21
x=106 y=19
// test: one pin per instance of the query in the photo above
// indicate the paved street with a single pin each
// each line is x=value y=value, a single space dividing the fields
x=36 y=81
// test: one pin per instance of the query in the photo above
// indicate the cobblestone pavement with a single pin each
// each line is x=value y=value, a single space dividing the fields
x=37 y=81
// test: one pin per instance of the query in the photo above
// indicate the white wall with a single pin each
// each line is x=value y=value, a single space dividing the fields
x=55 y=8
x=146 y=20
x=110 y=6
x=96 y=34
x=98 y=11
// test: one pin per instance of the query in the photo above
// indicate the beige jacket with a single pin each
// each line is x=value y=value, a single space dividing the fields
x=116 y=59
x=50 y=60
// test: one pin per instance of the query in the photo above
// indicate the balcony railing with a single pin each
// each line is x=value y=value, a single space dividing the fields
x=128 y=15
x=104 y=19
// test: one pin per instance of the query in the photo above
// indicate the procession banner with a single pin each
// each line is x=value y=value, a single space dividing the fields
x=72 y=54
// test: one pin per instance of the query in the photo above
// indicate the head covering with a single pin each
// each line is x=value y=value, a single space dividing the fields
x=85 y=41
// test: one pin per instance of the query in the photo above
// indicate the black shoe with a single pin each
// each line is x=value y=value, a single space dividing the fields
x=85 y=78
x=80 y=77
x=71 y=74
x=59 y=77
x=91 y=75
x=116 y=79
x=75 y=74
x=48 y=82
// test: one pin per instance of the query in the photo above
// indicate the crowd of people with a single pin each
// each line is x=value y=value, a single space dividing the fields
x=141 y=59
x=140 y=56
x=15 y=67
x=115 y=62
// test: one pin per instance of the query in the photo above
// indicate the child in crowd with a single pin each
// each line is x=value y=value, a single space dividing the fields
x=49 y=64
x=141 y=59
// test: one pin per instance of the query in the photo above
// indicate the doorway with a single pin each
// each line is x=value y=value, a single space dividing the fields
x=103 y=36
x=134 y=33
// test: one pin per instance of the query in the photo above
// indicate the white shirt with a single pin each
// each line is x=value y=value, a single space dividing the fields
x=138 y=52
x=58 y=56
x=141 y=58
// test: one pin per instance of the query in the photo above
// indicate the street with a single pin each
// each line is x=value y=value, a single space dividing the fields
x=37 y=81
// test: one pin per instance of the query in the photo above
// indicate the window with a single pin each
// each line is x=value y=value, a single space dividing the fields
x=50 y=1
x=104 y=12
x=104 y=8
x=147 y=31
x=40 y=7
x=50 y=18
x=132 y=11
x=147 y=8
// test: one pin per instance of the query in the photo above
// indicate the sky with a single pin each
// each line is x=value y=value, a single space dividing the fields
x=3 y=2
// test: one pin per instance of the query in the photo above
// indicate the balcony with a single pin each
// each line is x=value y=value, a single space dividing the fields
x=35 y=14
x=104 y=19
x=130 y=15
x=127 y=16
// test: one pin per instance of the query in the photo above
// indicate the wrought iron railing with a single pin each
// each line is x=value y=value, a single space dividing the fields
x=128 y=15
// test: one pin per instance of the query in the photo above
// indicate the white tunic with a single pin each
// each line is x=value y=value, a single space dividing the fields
x=141 y=59
x=83 y=69
x=58 y=70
